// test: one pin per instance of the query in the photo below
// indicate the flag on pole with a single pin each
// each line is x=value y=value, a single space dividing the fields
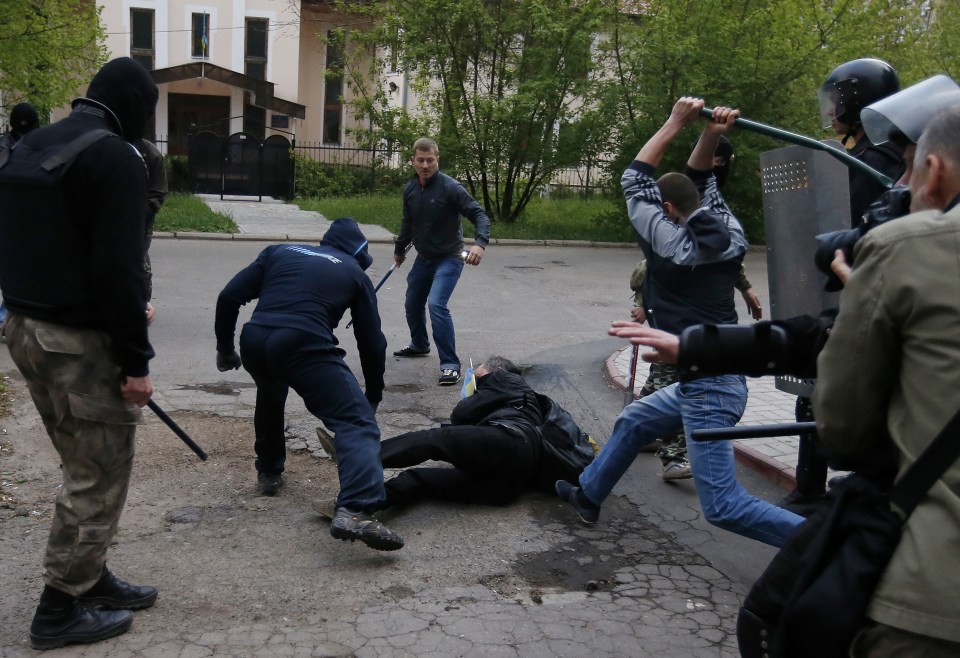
x=469 y=383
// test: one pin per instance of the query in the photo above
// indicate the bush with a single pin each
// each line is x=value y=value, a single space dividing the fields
x=178 y=175
x=320 y=180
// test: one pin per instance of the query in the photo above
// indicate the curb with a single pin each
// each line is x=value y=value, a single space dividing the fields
x=779 y=474
x=291 y=237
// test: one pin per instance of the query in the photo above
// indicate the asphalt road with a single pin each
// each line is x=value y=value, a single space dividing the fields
x=546 y=308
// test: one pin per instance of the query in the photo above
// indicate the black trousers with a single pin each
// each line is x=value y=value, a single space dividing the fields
x=491 y=465
x=281 y=359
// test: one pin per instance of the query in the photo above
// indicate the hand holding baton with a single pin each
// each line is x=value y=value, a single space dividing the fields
x=809 y=142
x=385 y=277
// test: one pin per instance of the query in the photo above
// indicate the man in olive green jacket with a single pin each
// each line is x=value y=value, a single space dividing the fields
x=892 y=368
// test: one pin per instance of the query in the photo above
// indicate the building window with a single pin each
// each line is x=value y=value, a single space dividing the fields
x=332 y=98
x=201 y=36
x=255 y=51
x=141 y=37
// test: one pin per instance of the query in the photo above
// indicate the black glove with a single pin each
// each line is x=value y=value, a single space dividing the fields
x=228 y=361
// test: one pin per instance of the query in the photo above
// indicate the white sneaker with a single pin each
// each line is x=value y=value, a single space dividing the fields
x=677 y=471
x=449 y=377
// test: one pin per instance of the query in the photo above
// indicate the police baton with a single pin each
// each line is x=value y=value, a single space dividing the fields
x=385 y=277
x=753 y=431
x=809 y=142
x=162 y=415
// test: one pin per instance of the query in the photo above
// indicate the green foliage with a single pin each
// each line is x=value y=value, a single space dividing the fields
x=188 y=213
x=48 y=50
x=543 y=219
x=323 y=180
x=505 y=87
x=178 y=173
x=766 y=58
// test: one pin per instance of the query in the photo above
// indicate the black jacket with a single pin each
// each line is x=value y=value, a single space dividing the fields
x=502 y=399
x=431 y=217
x=309 y=288
x=73 y=254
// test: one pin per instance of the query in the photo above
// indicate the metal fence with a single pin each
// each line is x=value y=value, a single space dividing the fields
x=585 y=180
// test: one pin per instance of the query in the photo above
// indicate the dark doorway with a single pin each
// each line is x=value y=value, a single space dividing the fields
x=194 y=113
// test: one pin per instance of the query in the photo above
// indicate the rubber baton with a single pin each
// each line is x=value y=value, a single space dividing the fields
x=753 y=431
x=809 y=142
x=162 y=415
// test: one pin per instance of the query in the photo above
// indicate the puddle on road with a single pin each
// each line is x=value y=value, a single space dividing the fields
x=219 y=388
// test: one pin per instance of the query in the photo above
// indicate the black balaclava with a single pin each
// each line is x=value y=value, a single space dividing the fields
x=724 y=150
x=23 y=119
x=128 y=91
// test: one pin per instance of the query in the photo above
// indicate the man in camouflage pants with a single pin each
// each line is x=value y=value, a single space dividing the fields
x=72 y=221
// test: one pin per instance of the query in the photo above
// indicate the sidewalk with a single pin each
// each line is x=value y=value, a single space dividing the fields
x=775 y=457
x=277 y=221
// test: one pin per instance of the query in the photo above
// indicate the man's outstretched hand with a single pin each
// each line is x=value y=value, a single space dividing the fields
x=666 y=346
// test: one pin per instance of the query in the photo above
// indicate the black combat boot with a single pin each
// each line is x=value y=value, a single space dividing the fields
x=111 y=593
x=61 y=620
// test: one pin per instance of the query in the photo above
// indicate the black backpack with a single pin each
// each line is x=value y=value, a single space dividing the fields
x=567 y=449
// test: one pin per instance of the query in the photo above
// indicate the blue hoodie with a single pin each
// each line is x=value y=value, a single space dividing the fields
x=309 y=288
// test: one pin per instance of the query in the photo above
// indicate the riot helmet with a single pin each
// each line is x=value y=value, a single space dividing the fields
x=851 y=87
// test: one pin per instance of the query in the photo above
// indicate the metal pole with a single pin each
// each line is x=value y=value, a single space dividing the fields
x=753 y=431
x=809 y=142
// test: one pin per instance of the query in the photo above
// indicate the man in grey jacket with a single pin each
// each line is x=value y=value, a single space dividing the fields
x=890 y=369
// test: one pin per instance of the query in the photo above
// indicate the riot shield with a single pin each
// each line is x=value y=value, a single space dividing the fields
x=805 y=192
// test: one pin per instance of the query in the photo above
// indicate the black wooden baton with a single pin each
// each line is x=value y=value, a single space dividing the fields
x=162 y=415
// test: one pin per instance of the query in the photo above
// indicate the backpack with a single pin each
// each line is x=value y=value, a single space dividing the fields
x=567 y=449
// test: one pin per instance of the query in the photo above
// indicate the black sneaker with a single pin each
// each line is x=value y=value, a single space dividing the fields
x=111 y=593
x=409 y=351
x=589 y=513
x=76 y=624
x=449 y=377
x=350 y=525
x=270 y=484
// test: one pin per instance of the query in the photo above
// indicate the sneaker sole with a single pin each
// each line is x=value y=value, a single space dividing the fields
x=45 y=643
x=376 y=543
x=670 y=476
x=449 y=383
x=412 y=355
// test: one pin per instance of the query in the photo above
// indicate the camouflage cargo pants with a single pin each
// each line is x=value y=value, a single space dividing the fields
x=669 y=448
x=75 y=385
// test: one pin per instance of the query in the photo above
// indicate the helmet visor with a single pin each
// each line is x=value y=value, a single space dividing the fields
x=828 y=95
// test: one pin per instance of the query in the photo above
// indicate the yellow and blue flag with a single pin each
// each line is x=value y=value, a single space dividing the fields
x=469 y=383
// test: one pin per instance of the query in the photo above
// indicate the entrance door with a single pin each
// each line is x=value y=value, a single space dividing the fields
x=194 y=113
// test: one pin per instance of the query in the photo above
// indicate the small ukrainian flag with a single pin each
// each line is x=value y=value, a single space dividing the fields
x=469 y=383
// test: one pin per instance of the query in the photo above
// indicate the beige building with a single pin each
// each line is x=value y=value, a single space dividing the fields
x=226 y=66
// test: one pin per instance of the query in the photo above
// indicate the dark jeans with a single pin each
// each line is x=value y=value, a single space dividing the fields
x=279 y=359
x=492 y=465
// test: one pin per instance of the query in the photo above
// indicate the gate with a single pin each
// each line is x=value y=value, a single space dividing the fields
x=241 y=165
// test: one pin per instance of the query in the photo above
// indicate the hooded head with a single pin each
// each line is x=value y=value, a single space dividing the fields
x=345 y=235
x=23 y=119
x=127 y=91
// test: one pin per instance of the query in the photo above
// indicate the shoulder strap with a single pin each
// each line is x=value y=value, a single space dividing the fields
x=940 y=455
x=73 y=149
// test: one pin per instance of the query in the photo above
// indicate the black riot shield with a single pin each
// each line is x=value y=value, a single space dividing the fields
x=805 y=193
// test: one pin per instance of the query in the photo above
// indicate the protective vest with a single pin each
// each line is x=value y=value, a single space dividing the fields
x=36 y=222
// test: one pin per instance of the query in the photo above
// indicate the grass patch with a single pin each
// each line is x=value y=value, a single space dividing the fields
x=186 y=212
x=544 y=219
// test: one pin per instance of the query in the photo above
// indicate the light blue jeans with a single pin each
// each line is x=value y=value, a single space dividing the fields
x=430 y=284
x=703 y=403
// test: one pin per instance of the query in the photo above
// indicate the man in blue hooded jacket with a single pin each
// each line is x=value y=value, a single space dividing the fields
x=694 y=247
x=303 y=292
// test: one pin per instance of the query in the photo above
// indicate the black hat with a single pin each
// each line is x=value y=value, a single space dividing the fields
x=23 y=119
x=127 y=90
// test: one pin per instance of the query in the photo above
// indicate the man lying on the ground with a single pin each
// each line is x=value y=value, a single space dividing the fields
x=496 y=444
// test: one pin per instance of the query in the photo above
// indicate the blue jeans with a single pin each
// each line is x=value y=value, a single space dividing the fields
x=702 y=403
x=430 y=284
x=279 y=359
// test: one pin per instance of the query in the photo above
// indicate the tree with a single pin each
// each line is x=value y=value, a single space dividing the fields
x=48 y=50
x=766 y=57
x=506 y=86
